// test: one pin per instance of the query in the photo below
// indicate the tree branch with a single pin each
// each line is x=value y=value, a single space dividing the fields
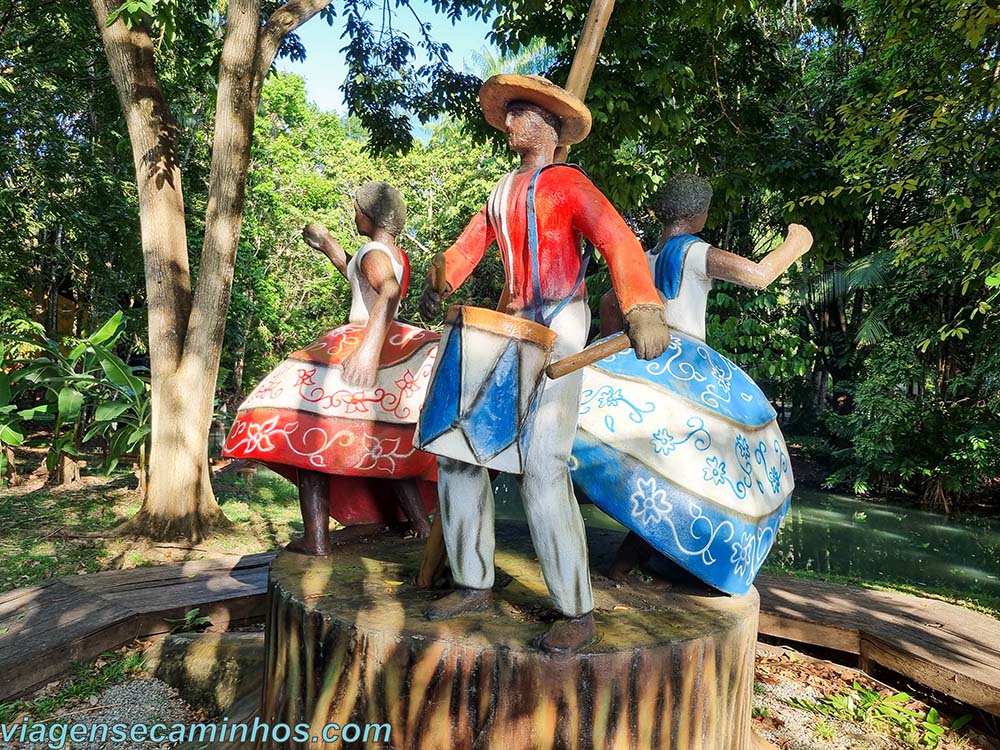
x=153 y=135
x=234 y=120
x=282 y=22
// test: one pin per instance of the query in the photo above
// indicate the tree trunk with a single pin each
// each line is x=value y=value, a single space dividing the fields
x=186 y=330
x=141 y=472
x=67 y=471
x=180 y=503
x=346 y=642
x=10 y=468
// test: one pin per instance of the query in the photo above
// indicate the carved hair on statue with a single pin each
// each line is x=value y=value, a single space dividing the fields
x=682 y=197
x=550 y=119
x=383 y=204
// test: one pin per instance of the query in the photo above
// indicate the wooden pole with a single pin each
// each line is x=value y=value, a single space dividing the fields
x=585 y=57
x=432 y=561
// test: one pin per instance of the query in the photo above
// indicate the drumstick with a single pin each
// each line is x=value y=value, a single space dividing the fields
x=432 y=562
x=591 y=354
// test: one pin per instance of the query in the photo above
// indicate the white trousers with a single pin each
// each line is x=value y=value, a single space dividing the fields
x=557 y=531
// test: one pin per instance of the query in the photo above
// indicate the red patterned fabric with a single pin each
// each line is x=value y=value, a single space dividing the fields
x=303 y=415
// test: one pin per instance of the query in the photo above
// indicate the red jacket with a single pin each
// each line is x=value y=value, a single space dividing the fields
x=567 y=206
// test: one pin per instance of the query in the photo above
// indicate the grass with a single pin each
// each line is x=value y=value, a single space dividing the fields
x=42 y=527
x=40 y=541
x=45 y=528
x=824 y=731
x=87 y=680
x=896 y=714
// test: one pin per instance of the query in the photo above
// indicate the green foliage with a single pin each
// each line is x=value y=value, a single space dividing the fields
x=890 y=713
x=306 y=165
x=909 y=431
x=766 y=334
x=67 y=193
x=191 y=622
x=81 y=386
x=824 y=731
x=873 y=122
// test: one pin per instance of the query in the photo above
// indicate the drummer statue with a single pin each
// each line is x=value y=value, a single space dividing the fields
x=538 y=216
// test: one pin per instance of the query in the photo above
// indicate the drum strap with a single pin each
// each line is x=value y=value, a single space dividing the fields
x=536 y=277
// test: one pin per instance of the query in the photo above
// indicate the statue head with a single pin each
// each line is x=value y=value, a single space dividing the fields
x=378 y=205
x=529 y=126
x=532 y=102
x=684 y=198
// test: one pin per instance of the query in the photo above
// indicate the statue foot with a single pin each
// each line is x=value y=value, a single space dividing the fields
x=417 y=531
x=460 y=602
x=316 y=548
x=568 y=636
x=420 y=528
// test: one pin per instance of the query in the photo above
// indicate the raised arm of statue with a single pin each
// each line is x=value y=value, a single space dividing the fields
x=760 y=274
x=319 y=238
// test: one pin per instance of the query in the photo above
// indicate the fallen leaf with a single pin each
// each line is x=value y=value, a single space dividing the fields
x=771 y=722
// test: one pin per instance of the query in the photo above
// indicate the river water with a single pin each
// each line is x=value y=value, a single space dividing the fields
x=844 y=536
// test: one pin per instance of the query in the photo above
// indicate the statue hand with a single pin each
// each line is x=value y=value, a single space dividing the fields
x=318 y=237
x=360 y=368
x=647 y=330
x=436 y=288
x=801 y=236
x=430 y=301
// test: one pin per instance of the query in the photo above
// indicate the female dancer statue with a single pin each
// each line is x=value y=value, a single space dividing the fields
x=685 y=451
x=346 y=404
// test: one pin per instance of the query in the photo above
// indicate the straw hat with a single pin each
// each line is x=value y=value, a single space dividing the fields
x=501 y=90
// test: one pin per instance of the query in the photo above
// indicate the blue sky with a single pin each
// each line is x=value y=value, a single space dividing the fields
x=324 y=66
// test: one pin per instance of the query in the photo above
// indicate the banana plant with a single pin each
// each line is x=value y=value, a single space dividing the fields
x=12 y=427
x=90 y=386
x=124 y=419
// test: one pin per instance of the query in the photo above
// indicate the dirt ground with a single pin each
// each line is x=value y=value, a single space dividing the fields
x=802 y=703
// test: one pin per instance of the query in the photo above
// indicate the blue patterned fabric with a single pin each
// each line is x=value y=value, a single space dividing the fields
x=685 y=451
x=440 y=410
x=696 y=372
x=722 y=548
x=669 y=266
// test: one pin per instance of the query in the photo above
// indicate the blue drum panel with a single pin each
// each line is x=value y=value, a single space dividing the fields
x=722 y=548
x=440 y=410
x=491 y=424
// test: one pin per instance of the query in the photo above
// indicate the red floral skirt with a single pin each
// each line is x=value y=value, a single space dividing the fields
x=304 y=416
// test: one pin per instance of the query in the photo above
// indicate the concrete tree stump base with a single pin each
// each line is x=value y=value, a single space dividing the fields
x=346 y=642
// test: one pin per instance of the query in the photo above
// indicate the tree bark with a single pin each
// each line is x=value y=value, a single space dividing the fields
x=179 y=503
x=10 y=472
x=186 y=329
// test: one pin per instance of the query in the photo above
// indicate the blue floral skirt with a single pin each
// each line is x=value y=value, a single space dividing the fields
x=685 y=451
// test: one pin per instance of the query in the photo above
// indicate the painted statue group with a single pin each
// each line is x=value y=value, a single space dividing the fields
x=668 y=436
